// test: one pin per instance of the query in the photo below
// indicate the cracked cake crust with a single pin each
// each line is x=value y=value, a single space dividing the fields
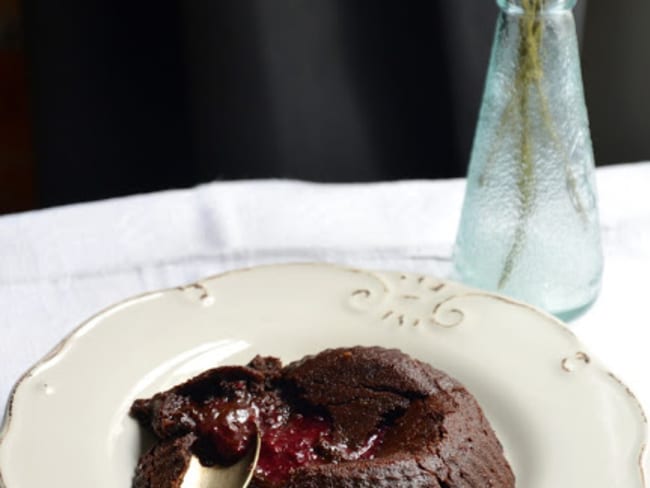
x=433 y=432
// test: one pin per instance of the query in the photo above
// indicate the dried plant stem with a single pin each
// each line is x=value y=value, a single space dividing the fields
x=528 y=100
x=572 y=182
x=529 y=74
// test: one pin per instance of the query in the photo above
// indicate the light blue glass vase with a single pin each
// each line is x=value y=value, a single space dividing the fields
x=529 y=226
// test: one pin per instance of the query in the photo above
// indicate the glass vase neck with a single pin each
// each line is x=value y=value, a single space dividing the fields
x=535 y=6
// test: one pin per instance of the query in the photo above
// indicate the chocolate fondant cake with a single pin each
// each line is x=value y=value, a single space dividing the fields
x=354 y=417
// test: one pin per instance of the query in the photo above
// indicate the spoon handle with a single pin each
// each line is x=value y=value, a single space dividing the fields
x=254 y=460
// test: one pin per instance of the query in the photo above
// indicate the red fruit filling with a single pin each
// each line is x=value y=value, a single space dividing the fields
x=227 y=428
x=304 y=441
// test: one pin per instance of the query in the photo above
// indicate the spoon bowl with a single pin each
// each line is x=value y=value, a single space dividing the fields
x=239 y=475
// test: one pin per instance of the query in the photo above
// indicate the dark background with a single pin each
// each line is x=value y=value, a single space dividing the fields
x=144 y=96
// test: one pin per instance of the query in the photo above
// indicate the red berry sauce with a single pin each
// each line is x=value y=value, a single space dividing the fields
x=303 y=441
x=227 y=427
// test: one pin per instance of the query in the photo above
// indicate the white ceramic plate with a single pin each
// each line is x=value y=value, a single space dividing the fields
x=563 y=419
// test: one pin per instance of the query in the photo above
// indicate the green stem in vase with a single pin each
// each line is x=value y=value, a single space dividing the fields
x=528 y=97
x=571 y=181
x=529 y=73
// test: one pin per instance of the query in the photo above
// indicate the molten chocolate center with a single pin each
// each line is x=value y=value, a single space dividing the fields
x=226 y=429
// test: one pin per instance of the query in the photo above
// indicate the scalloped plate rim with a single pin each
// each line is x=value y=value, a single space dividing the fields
x=90 y=323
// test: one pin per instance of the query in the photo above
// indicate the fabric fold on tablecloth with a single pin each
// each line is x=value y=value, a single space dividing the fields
x=275 y=219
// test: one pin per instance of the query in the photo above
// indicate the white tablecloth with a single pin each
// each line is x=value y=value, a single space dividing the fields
x=59 y=266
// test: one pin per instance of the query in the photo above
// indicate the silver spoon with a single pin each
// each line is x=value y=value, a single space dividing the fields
x=238 y=475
